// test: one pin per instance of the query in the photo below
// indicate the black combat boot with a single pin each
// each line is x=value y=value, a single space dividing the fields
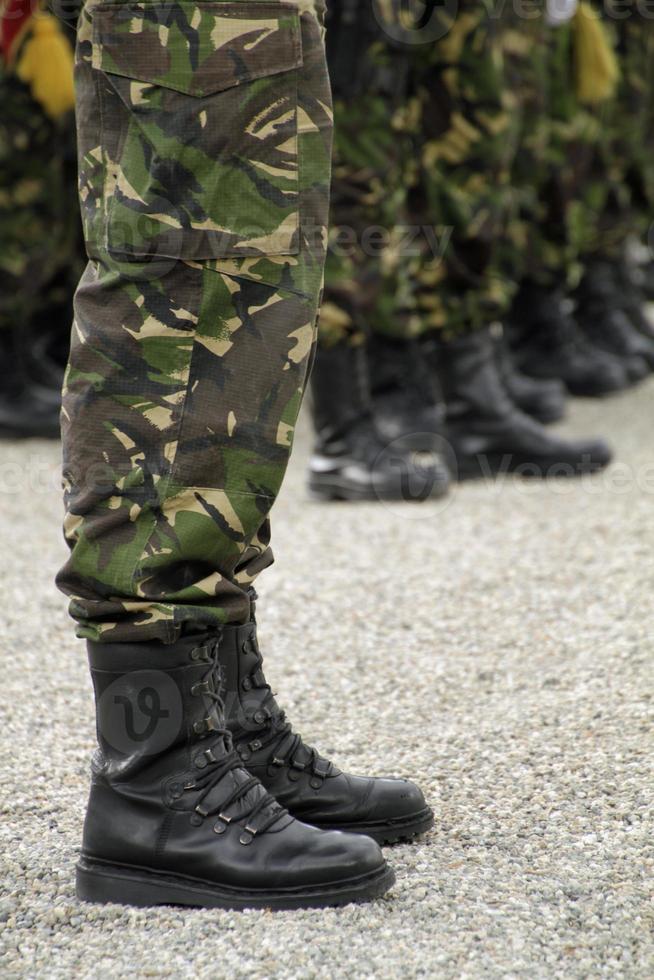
x=602 y=313
x=644 y=277
x=633 y=299
x=546 y=342
x=27 y=409
x=174 y=818
x=542 y=398
x=406 y=399
x=309 y=786
x=351 y=461
x=488 y=432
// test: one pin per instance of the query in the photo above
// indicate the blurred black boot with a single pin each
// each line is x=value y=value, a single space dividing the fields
x=405 y=397
x=602 y=315
x=488 y=432
x=27 y=409
x=634 y=299
x=542 y=398
x=546 y=342
x=350 y=460
x=644 y=277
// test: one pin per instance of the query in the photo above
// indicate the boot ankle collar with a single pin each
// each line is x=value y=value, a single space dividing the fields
x=125 y=657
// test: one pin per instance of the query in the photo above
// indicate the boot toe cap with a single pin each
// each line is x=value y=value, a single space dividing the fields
x=335 y=855
x=637 y=367
x=395 y=799
x=594 y=454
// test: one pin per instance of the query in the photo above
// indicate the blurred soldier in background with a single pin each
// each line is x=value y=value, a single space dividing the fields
x=584 y=154
x=370 y=77
x=40 y=230
x=620 y=193
x=440 y=177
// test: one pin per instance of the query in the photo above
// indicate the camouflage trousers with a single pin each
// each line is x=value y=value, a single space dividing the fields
x=618 y=195
x=40 y=253
x=425 y=150
x=550 y=220
x=369 y=75
x=205 y=144
x=475 y=168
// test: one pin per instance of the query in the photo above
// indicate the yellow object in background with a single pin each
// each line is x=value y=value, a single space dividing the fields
x=45 y=63
x=596 y=66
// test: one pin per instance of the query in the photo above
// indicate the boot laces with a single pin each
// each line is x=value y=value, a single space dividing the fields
x=226 y=760
x=276 y=731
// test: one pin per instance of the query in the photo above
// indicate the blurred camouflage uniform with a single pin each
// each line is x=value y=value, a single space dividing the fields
x=550 y=221
x=619 y=194
x=369 y=75
x=204 y=141
x=40 y=257
x=426 y=138
x=469 y=126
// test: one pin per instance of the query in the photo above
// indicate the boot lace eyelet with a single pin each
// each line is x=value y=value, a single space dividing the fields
x=222 y=823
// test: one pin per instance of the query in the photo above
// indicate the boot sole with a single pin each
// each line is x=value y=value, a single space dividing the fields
x=389 y=831
x=579 y=389
x=101 y=882
x=495 y=465
x=343 y=492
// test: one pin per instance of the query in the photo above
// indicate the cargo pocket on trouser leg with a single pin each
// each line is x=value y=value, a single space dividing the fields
x=199 y=128
x=214 y=461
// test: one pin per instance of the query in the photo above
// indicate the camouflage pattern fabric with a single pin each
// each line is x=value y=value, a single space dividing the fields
x=424 y=159
x=550 y=220
x=205 y=144
x=619 y=193
x=41 y=257
x=468 y=123
x=369 y=75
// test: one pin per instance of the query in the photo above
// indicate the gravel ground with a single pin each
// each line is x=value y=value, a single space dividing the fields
x=497 y=648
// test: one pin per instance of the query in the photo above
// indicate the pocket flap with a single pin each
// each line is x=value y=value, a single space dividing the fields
x=196 y=48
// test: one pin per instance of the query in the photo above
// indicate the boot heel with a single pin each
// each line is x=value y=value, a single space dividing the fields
x=112 y=886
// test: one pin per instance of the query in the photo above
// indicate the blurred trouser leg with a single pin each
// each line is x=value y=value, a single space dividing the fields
x=551 y=223
x=472 y=101
x=369 y=75
x=620 y=195
x=40 y=258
